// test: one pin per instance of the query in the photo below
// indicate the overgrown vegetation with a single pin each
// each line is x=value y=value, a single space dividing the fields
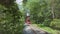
x=45 y=12
x=10 y=16
x=55 y=24
x=48 y=29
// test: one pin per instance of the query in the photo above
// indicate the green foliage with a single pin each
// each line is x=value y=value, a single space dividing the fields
x=10 y=19
x=47 y=22
x=48 y=29
x=57 y=9
x=7 y=3
x=55 y=24
x=39 y=10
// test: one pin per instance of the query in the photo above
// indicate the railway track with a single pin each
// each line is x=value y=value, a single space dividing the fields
x=30 y=30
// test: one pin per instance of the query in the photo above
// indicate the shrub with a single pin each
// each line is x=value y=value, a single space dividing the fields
x=55 y=24
x=47 y=22
x=10 y=20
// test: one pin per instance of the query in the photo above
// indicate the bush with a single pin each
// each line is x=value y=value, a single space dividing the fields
x=10 y=20
x=47 y=22
x=55 y=24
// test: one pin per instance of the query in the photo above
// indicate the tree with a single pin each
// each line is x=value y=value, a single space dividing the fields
x=55 y=8
x=39 y=10
x=52 y=7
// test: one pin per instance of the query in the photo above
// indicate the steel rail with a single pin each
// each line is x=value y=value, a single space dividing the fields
x=33 y=30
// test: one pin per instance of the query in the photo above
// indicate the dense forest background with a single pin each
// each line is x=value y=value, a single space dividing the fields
x=45 y=12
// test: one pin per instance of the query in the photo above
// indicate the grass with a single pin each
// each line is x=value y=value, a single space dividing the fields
x=48 y=29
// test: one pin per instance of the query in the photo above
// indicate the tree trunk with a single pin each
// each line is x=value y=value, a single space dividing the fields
x=52 y=7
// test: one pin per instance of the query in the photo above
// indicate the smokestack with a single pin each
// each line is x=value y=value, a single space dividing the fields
x=27 y=20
